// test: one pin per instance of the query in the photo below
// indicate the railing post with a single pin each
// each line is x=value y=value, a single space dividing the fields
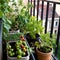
x=57 y=41
x=31 y=9
x=34 y=8
x=53 y=15
x=42 y=9
x=0 y=38
x=47 y=11
x=37 y=9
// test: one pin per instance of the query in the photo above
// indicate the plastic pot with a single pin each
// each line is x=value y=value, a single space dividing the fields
x=15 y=58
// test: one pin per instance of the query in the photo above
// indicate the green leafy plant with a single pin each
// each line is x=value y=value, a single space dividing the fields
x=34 y=26
x=46 y=43
x=4 y=9
x=13 y=37
x=58 y=52
x=22 y=19
x=6 y=13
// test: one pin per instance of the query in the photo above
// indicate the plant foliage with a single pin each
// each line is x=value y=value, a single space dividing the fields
x=34 y=26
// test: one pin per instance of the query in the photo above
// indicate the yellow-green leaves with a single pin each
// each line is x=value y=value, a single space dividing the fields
x=1 y=14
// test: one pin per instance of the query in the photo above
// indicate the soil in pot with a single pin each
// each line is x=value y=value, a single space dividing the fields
x=13 y=46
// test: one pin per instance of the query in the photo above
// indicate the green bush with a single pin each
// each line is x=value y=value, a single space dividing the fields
x=34 y=26
x=59 y=52
x=13 y=37
x=47 y=41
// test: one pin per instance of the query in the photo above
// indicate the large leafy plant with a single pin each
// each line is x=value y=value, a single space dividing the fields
x=4 y=9
x=22 y=19
x=34 y=26
x=6 y=13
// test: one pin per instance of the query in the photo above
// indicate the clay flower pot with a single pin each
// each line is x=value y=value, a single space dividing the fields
x=43 y=56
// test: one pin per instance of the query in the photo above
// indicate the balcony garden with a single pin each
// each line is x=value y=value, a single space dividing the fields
x=23 y=35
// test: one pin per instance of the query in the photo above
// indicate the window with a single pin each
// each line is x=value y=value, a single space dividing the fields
x=55 y=31
x=56 y=23
x=49 y=24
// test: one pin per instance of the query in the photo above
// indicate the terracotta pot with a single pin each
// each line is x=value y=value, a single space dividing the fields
x=43 y=56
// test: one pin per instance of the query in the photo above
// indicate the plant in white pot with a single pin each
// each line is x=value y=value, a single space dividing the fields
x=44 y=49
x=18 y=50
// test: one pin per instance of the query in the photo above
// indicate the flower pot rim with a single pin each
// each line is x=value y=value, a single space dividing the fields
x=11 y=42
x=16 y=56
x=43 y=52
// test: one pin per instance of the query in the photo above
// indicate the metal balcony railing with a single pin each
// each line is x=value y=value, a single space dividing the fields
x=36 y=8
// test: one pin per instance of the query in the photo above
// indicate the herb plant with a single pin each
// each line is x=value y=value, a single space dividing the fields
x=34 y=26
x=46 y=43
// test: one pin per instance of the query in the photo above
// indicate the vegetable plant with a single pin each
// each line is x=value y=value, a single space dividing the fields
x=18 y=49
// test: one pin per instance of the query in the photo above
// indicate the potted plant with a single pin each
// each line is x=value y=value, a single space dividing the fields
x=44 y=49
x=18 y=50
x=22 y=19
x=34 y=28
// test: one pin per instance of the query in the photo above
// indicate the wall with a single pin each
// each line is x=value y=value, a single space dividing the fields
x=55 y=27
x=57 y=6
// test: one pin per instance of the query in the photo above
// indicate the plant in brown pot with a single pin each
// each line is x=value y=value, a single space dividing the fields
x=44 y=49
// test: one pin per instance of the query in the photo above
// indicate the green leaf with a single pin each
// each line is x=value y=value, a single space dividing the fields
x=20 y=2
x=7 y=27
x=1 y=14
x=9 y=21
